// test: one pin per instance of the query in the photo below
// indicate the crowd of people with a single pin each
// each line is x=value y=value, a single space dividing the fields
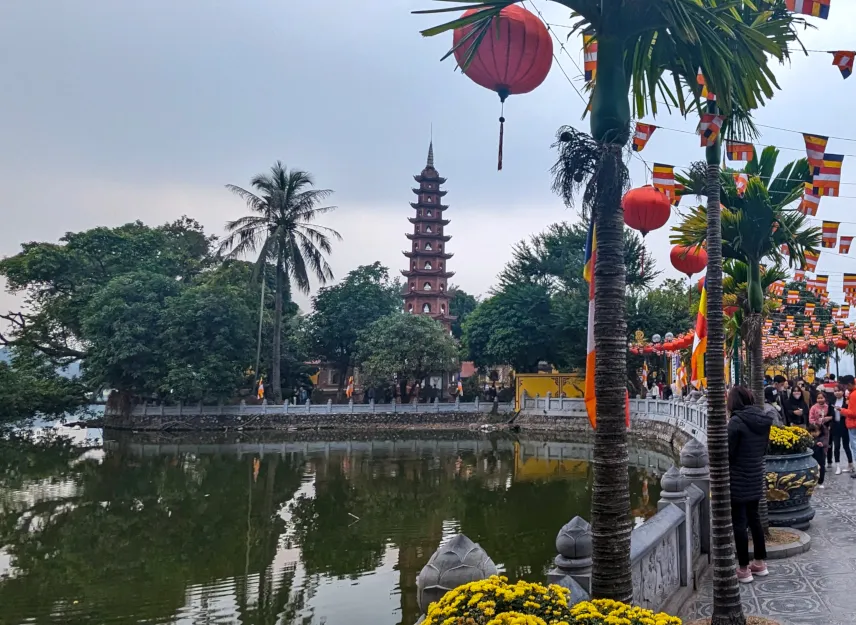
x=821 y=408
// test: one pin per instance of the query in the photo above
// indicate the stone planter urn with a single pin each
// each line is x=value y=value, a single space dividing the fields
x=791 y=480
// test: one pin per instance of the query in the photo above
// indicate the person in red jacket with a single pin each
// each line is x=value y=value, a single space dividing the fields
x=849 y=413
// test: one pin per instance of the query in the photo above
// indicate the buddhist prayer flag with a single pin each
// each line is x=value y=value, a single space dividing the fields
x=844 y=244
x=845 y=311
x=778 y=287
x=799 y=275
x=811 y=259
x=843 y=59
x=709 y=128
x=676 y=200
x=822 y=283
x=810 y=201
x=705 y=93
x=589 y=55
x=664 y=179
x=643 y=133
x=830 y=234
x=588 y=274
x=809 y=309
x=850 y=282
x=739 y=151
x=827 y=177
x=815 y=148
x=697 y=378
x=793 y=297
x=815 y=8
x=741 y=181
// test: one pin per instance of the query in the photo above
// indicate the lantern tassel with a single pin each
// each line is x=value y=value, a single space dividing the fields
x=499 y=157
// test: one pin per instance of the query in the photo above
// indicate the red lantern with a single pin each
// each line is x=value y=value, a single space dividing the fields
x=634 y=350
x=842 y=343
x=513 y=57
x=646 y=209
x=688 y=260
x=648 y=350
x=823 y=347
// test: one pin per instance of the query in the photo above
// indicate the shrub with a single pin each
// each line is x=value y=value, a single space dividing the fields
x=496 y=602
x=789 y=440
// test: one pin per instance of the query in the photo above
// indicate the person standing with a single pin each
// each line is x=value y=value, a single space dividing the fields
x=772 y=405
x=796 y=409
x=818 y=433
x=849 y=384
x=748 y=436
x=838 y=433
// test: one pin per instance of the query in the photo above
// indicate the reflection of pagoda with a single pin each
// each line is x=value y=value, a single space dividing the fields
x=426 y=289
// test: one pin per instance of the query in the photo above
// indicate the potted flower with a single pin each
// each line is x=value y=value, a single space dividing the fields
x=791 y=477
x=494 y=601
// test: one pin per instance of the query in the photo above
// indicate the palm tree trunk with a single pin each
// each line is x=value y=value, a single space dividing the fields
x=610 y=508
x=276 y=365
x=727 y=609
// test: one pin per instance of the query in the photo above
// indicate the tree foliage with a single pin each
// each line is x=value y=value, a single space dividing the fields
x=407 y=348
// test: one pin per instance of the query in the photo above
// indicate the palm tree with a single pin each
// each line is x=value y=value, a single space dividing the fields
x=280 y=228
x=755 y=227
x=638 y=43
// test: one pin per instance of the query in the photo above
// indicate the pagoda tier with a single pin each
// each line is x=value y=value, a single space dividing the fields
x=439 y=207
x=413 y=273
x=427 y=254
x=428 y=235
x=442 y=222
x=441 y=193
x=425 y=178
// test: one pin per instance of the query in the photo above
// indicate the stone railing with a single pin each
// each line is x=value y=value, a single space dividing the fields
x=668 y=553
x=689 y=417
x=351 y=408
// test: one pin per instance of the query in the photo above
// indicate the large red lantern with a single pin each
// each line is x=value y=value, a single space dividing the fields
x=823 y=347
x=514 y=55
x=646 y=209
x=842 y=343
x=688 y=260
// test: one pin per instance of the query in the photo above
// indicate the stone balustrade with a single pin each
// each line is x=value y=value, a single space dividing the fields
x=668 y=552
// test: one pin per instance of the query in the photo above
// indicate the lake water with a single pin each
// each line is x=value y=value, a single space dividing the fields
x=284 y=531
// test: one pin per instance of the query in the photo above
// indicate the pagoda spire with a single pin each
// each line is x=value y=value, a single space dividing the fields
x=430 y=154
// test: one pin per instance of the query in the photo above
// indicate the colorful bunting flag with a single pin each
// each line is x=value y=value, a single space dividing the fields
x=822 y=282
x=810 y=201
x=830 y=234
x=589 y=54
x=850 y=283
x=793 y=297
x=676 y=200
x=844 y=60
x=739 y=151
x=641 y=136
x=741 y=181
x=697 y=378
x=799 y=275
x=707 y=95
x=809 y=309
x=844 y=244
x=778 y=287
x=845 y=311
x=815 y=8
x=811 y=259
x=827 y=177
x=815 y=148
x=664 y=179
x=709 y=128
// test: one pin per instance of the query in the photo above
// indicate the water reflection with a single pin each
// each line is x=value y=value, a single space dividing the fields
x=275 y=532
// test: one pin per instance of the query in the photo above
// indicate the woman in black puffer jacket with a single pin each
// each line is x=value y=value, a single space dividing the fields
x=748 y=436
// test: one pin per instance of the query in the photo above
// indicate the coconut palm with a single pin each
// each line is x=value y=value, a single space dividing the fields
x=638 y=43
x=754 y=228
x=280 y=228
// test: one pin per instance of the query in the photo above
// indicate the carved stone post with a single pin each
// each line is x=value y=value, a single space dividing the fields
x=573 y=564
x=329 y=406
x=243 y=407
x=392 y=405
x=695 y=468
x=673 y=492
x=458 y=562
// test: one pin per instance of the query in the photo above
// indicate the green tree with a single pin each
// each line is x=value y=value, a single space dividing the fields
x=407 y=348
x=342 y=312
x=754 y=229
x=516 y=325
x=30 y=385
x=639 y=45
x=282 y=231
x=460 y=307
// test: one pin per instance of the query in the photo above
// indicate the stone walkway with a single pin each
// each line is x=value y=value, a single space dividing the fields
x=815 y=588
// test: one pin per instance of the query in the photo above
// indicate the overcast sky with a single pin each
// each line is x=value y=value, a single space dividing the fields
x=115 y=111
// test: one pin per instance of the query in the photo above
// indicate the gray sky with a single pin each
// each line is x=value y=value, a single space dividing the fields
x=114 y=111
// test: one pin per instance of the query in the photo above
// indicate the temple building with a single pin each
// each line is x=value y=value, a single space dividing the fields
x=426 y=291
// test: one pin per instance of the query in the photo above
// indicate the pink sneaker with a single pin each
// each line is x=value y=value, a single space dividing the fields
x=744 y=576
x=759 y=568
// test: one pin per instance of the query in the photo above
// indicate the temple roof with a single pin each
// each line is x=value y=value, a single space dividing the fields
x=427 y=254
x=419 y=191
x=428 y=235
x=439 y=207
x=427 y=273
x=429 y=220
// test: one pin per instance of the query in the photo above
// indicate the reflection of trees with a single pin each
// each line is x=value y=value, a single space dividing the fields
x=138 y=531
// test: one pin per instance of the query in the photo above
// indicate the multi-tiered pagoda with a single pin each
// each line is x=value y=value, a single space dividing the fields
x=427 y=278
